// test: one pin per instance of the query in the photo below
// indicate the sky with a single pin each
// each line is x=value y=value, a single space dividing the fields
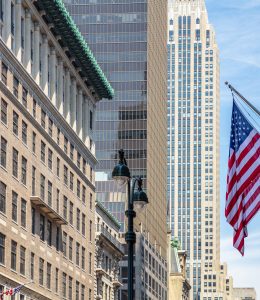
x=237 y=27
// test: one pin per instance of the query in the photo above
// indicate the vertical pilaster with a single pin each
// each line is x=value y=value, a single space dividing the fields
x=7 y=27
x=18 y=13
x=27 y=36
x=53 y=79
x=67 y=96
x=44 y=61
x=73 y=104
x=79 y=113
x=60 y=86
x=86 y=121
x=36 y=53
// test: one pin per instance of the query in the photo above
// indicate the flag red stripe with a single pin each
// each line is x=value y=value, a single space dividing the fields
x=239 y=192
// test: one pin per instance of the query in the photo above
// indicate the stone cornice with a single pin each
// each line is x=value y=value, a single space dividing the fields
x=60 y=51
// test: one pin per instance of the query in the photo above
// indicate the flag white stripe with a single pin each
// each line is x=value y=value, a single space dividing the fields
x=239 y=239
x=250 y=154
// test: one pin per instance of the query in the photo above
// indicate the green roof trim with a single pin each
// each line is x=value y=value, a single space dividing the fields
x=108 y=213
x=71 y=37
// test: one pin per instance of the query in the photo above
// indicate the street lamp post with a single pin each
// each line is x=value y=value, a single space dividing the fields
x=121 y=173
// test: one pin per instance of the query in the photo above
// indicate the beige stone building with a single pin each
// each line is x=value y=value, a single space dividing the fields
x=178 y=284
x=50 y=84
x=244 y=294
x=109 y=251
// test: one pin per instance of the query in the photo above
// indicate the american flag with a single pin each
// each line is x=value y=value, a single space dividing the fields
x=243 y=180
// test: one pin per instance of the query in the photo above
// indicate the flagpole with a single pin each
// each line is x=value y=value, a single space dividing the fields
x=243 y=98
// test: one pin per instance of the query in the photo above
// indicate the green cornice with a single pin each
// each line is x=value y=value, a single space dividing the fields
x=108 y=213
x=64 y=26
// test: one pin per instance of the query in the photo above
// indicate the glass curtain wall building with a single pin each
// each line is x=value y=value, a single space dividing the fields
x=193 y=143
x=132 y=52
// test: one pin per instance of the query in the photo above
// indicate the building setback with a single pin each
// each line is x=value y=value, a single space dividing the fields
x=132 y=53
x=50 y=84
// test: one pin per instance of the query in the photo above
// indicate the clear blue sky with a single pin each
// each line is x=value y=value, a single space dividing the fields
x=237 y=26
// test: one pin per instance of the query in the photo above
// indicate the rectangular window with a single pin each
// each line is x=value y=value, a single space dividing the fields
x=58 y=136
x=41 y=270
x=14 y=206
x=83 y=292
x=90 y=230
x=3 y=152
x=24 y=171
x=64 y=243
x=42 y=227
x=2 y=197
x=49 y=193
x=89 y=294
x=90 y=263
x=77 y=290
x=64 y=285
x=57 y=238
x=70 y=288
x=4 y=73
x=33 y=220
x=90 y=201
x=22 y=260
x=15 y=163
x=43 y=147
x=57 y=280
x=48 y=276
x=42 y=187
x=71 y=213
x=58 y=200
x=24 y=132
x=23 y=213
x=12 y=21
x=90 y=120
x=65 y=175
x=32 y=266
x=71 y=180
x=24 y=97
x=33 y=180
x=58 y=167
x=13 y=255
x=33 y=142
x=34 y=108
x=49 y=232
x=83 y=254
x=83 y=194
x=71 y=151
x=2 y=249
x=78 y=219
x=65 y=145
x=15 y=123
x=15 y=86
x=83 y=224
x=70 y=248
x=77 y=254
x=78 y=188
x=43 y=118
x=50 y=127
x=65 y=207
x=4 y=111
x=84 y=166
x=78 y=160
x=50 y=159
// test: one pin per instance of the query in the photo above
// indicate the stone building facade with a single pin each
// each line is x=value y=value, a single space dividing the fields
x=109 y=251
x=49 y=86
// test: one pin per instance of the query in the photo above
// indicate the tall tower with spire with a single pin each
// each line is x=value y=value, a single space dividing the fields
x=193 y=143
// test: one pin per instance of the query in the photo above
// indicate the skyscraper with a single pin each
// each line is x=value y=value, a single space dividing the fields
x=132 y=52
x=193 y=142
